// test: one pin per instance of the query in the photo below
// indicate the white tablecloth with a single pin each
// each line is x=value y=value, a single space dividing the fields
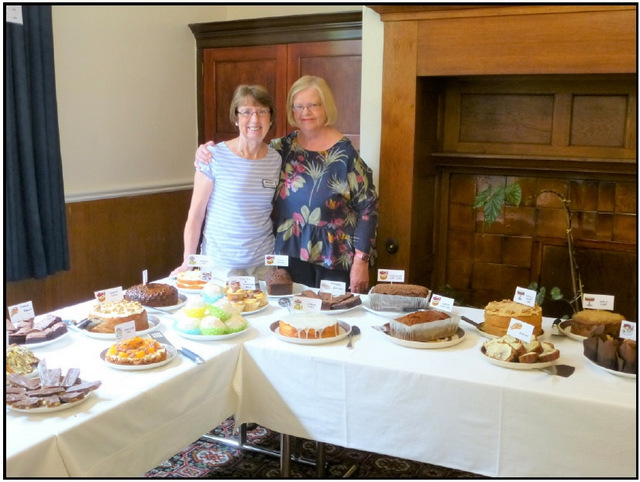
x=446 y=406
x=134 y=421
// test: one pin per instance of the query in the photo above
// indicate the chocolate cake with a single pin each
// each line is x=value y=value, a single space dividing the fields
x=330 y=302
x=153 y=294
x=279 y=282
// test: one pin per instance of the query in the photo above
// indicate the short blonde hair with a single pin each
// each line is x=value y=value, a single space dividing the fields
x=256 y=94
x=326 y=98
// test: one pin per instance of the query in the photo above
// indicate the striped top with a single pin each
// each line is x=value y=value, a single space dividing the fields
x=238 y=231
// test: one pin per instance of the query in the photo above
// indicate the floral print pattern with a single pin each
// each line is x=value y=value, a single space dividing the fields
x=326 y=204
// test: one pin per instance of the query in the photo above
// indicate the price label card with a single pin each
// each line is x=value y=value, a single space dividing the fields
x=276 y=260
x=202 y=261
x=628 y=330
x=303 y=304
x=441 y=303
x=125 y=331
x=525 y=296
x=391 y=275
x=21 y=312
x=336 y=288
x=597 y=302
x=112 y=294
x=520 y=330
x=245 y=282
x=145 y=277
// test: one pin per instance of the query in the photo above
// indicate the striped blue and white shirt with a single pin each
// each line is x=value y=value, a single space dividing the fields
x=238 y=231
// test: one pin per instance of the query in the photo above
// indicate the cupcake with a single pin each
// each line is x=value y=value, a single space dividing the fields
x=221 y=309
x=212 y=292
x=195 y=307
x=210 y=325
x=236 y=323
x=187 y=324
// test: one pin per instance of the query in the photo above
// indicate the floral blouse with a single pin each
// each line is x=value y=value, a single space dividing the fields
x=326 y=204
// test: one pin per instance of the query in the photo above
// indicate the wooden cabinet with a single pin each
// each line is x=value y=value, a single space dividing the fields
x=242 y=52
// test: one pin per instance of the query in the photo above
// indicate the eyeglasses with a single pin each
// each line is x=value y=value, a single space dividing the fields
x=300 y=108
x=249 y=113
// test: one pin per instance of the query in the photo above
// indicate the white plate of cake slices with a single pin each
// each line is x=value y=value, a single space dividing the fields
x=452 y=340
x=200 y=337
x=613 y=372
x=154 y=322
x=343 y=327
x=171 y=354
x=517 y=365
x=57 y=408
x=565 y=329
x=296 y=290
x=171 y=308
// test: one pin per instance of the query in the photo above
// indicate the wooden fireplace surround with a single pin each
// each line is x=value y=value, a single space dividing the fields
x=572 y=69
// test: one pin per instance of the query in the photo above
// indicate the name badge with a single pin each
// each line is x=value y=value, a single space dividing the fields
x=269 y=183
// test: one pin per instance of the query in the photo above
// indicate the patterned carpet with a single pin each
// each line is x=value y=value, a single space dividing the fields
x=207 y=459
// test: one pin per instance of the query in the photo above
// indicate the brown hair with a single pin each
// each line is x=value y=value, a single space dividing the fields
x=255 y=94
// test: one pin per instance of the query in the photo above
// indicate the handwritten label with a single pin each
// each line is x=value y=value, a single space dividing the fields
x=245 y=282
x=525 y=296
x=145 y=276
x=336 y=288
x=597 y=302
x=391 y=275
x=112 y=294
x=442 y=303
x=628 y=330
x=304 y=304
x=202 y=261
x=520 y=330
x=125 y=331
x=21 y=312
x=276 y=260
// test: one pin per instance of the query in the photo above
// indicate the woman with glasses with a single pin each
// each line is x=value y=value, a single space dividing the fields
x=233 y=193
x=326 y=206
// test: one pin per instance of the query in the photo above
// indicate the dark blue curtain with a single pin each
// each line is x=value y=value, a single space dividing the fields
x=35 y=224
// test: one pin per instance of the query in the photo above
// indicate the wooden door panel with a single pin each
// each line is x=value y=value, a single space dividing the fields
x=226 y=68
x=339 y=63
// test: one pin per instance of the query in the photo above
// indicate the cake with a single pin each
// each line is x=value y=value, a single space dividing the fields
x=234 y=292
x=112 y=313
x=611 y=352
x=309 y=326
x=509 y=349
x=210 y=325
x=279 y=282
x=47 y=328
x=187 y=323
x=153 y=294
x=192 y=279
x=330 y=302
x=136 y=351
x=424 y=326
x=498 y=314
x=20 y=360
x=212 y=292
x=583 y=322
x=399 y=297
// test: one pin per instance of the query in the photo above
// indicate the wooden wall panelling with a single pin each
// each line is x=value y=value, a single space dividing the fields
x=110 y=242
x=397 y=163
x=531 y=40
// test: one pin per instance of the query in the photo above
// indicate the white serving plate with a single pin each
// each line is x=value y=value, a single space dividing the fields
x=171 y=354
x=45 y=343
x=191 y=336
x=172 y=308
x=62 y=406
x=440 y=343
x=565 y=329
x=516 y=365
x=262 y=308
x=613 y=372
x=154 y=322
x=335 y=312
x=344 y=328
x=296 y=290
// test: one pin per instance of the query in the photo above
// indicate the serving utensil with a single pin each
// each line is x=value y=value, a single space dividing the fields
x=354 y=331
x=285 y=303
x=160 y=338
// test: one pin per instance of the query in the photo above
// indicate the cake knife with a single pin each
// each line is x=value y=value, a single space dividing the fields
x=197 y=359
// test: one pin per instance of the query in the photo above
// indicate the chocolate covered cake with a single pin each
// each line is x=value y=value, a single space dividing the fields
x=153 y=294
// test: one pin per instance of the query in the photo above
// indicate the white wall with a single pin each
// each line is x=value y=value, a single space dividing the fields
x=126 y=87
